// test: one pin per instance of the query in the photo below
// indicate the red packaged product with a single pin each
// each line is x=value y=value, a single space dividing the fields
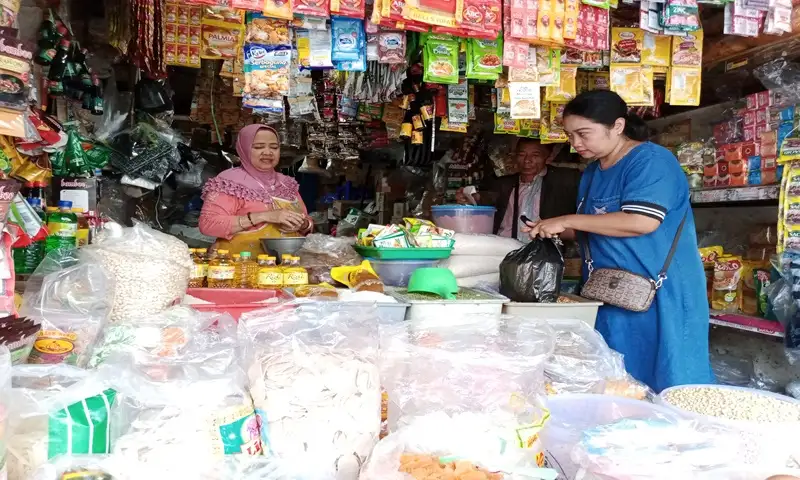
x=733 y=152
x=749 y=117
x=769 y=163
x=751 y=148
x=761 y=130
x=752 y=101
x=737 y=166
x=709 y=182
x=348 y=8
x=738 y=179
x=710 y=170
x=723 y=181
x=762 y=99
x=315 y=8
x=722 y=167
x=749 y=133
x=762 y=115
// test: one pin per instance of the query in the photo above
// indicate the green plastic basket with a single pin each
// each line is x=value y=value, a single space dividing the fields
x=403 y=253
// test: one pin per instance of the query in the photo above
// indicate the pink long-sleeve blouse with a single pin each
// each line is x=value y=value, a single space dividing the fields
x=218 y=218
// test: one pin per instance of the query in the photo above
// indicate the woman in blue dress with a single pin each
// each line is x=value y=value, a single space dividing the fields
x=636 y=196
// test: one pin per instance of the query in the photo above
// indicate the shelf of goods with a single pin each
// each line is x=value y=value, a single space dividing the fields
x=747 y=323
x=757 y=193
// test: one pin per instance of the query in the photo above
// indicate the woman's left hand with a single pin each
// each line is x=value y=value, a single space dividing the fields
x=550 y=228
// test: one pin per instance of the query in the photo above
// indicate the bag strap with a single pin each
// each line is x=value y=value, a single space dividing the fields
x=662 y=274
x=515 y=211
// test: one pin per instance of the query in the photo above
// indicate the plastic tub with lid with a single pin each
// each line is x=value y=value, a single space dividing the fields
x=396 y=273
x=464 y=218
x=572 y=413
x=767 y=443
x=234 y=301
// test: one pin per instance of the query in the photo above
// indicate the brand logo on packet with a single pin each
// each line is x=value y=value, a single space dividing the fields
x=73 y=183
x=441 y=50
x=7 y=46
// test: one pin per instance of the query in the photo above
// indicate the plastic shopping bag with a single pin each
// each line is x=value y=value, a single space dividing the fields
x=533 y=273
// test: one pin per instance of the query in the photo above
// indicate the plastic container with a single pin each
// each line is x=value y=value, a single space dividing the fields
x=585 y=310
x=769 y=443
x=235 y=301
x=572 y=413
x=396 y=273
x=403 y=253
x=442 y=310
x=62 y=228
x=464 y=218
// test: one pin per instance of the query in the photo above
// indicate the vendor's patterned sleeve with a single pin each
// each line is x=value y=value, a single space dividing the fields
x=649 y=187
x=218 y=217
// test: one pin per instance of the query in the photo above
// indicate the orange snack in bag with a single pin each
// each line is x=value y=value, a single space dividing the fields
x=727 y=287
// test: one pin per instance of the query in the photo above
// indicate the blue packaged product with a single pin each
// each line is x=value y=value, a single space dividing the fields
x=348 y=39
x=787 y=114
x=754 y=162
x=266 y=76
x=754 y=177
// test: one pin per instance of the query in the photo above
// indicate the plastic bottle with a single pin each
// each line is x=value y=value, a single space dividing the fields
x=83 y=227
x=249 y=269
x=62 y=226
x=202 y=254
x=294 y=275
x=269 y=274
x=237 y=272
x=221 y=271
x=197 y=277
x=26 y=259
x=286 y=259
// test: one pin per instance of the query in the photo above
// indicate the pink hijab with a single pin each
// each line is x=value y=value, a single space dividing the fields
x=247 y=182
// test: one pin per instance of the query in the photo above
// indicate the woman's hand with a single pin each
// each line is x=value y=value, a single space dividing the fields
x=550 y=228
x=286 y=220
x=461 y=197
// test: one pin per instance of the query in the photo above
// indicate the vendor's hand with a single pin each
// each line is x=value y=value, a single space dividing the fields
x=462 y=199
x=549 y=228
x=286 y=220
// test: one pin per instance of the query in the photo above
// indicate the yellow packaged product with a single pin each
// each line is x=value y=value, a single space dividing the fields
x=627 y=81
x=727 y=284
x=548 y=65
x=684 y=86
x=626 y=45
x=220 y=40
x=446 y=126
x=687 y=50
x=656 y=49
x=278 y=9
x=599 y=81
x=545 y=16
x=648 y=97
x=503 y=124
x=557 y=21
x=566 y=89
x=709 y=255
x=571 y=11
x=556 y=132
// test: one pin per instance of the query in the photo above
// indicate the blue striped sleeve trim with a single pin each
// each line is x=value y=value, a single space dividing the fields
x=651 y=210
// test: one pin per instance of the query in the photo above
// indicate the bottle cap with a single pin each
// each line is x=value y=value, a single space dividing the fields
x=201 y=250
x=65 y=204
x=272 y=258
x=222 y=252
x=236 y=255
x=192 y=250
x=35 y=202
x=52 y=209
x=263 y=257
x=77 y=210
x=244 y=254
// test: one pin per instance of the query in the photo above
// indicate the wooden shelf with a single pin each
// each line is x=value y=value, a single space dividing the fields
x=735 y=195
x=747 y=323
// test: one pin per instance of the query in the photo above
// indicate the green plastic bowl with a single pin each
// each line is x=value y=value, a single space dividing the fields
x=438 y=281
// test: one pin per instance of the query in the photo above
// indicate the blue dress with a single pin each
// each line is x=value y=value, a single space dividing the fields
x=668 y=344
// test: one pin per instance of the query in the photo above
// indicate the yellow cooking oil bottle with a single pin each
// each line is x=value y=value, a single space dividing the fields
x=294 y=275
x=249 y=270
x=221 y=271
x=197 y=278
x=270 y=275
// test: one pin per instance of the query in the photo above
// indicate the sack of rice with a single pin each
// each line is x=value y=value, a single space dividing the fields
x=55 y=410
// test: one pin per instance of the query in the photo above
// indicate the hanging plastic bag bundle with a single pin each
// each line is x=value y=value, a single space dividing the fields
x=533 y=273
x=313 y=372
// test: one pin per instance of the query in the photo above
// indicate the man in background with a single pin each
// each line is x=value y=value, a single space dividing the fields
x=538 y=191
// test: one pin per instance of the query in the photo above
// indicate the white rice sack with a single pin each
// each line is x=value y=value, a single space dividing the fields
x=470 y=266
x=469 y=244
x=55 y=410
x=490 y=280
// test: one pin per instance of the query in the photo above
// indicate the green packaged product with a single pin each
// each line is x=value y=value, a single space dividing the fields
x=441 y=61
x=762 y=281
x=484 y=59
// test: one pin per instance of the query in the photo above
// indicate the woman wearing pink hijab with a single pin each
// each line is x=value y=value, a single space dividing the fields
x=244 y=204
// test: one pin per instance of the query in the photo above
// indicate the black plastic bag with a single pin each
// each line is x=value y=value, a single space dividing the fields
x=533 y=273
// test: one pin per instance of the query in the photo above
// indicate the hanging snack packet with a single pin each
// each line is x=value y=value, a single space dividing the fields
x=319 y=49
x=566 y=89
x=316 y=8
x=254 y=5
x=504 y=124
x=687 y=50
x=348 y=39
x=684 y=86
x=391 y=47
x=15 y=67
x=626 y=45
x=267 y=31
x=278 y=9
x=525 y=100
x=726 y=294
x=656 y=49
x=441 y=60
x=626 y=80
x=348 y=8
x=484 y=59
x=266 y=76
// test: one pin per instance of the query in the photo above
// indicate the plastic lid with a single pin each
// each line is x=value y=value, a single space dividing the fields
x=271 y=258
x=286 y=255
x=77 y=210
x=245 y=254
x=65 y=204
x=263 y=257
x=236 y=255
x=35 y=202
x=192 y=250
x=52 y=209
x=201 y=250
x=222 y=252
x=474 y=208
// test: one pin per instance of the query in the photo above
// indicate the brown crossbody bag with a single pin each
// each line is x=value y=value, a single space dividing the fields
x=618 y=287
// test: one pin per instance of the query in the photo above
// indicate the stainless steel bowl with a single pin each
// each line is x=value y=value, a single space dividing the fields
x=282 y=245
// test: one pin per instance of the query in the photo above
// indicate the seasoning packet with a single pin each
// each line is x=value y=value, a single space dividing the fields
x=316 y=8
x=626 y=80
x=253 y=5
x=656 y=49
x=441 y=60
x=504 y=124
x=266 y=75
x=15 y=67
x=687 y=50
x=566 y=89
x=348 y=8
x=278 y=9
x=391 y=47
x=525 y=100
x=484 y=59
x=626 y=45
x=349 y=39
x=220 y=40
x=684 y=86
x=319 y=49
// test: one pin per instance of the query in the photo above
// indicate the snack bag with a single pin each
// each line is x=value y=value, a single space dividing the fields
x=727 y=286
x=315 y=8
x=484 y=59
x=441 y=60
x=266 y=74
x=278 y=9
x=349 y=8
x=348 y=39
x=709 y=255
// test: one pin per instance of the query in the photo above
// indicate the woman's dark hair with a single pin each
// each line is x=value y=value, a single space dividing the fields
x=605 y=107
